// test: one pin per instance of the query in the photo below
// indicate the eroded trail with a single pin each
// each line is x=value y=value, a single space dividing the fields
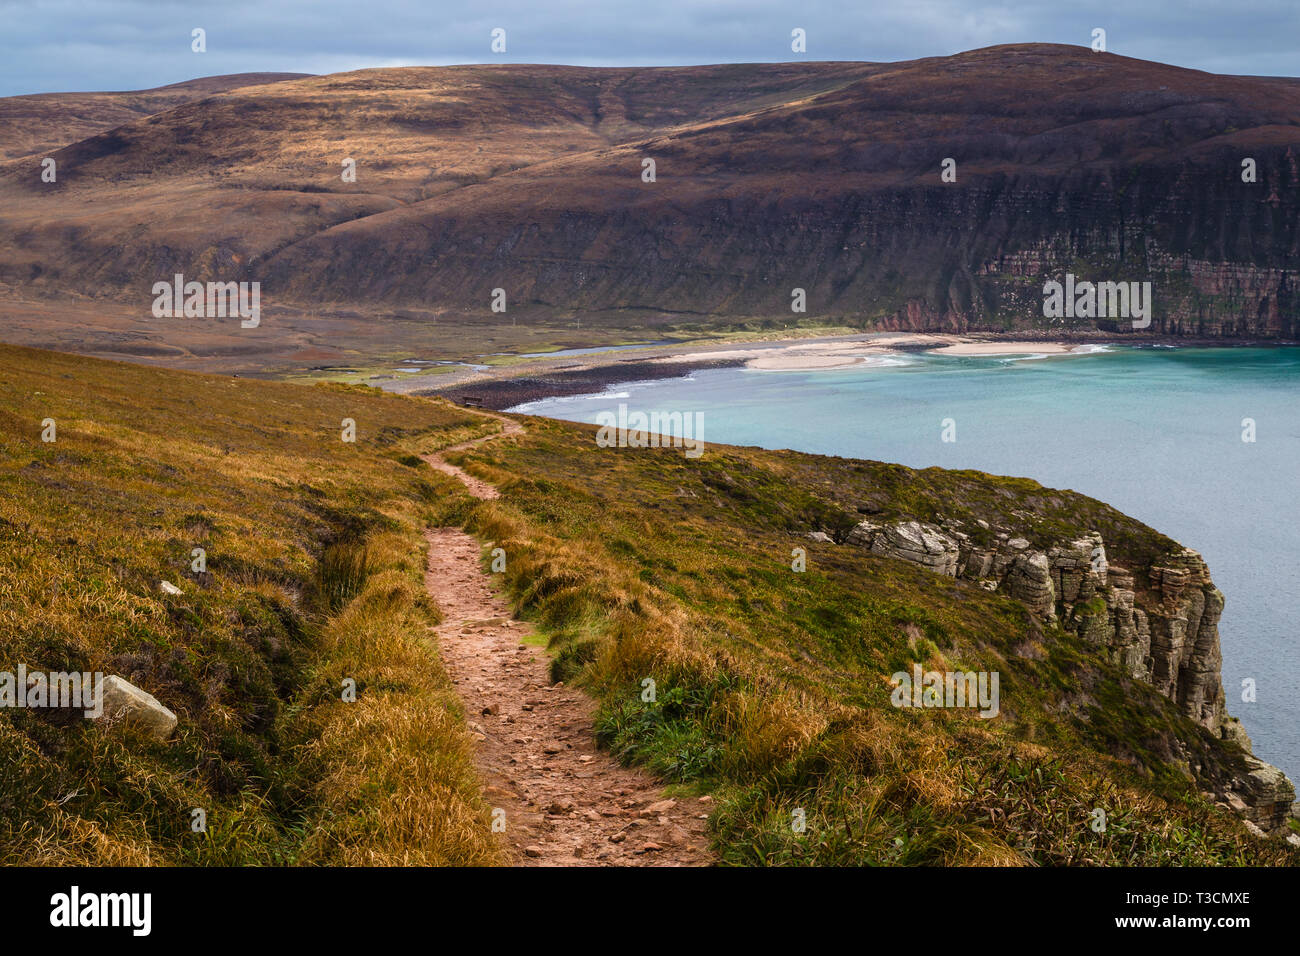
x=477 y=486
x=565 y=801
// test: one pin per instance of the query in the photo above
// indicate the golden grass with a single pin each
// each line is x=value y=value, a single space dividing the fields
x=396 y=784
x=150 y=464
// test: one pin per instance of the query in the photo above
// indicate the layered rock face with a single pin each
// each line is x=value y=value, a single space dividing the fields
x=1165 y=633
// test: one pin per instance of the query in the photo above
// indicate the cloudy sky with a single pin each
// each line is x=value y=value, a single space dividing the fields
x=62 y=45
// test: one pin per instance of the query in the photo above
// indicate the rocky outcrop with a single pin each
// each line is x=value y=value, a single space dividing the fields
x=1165 y=633
x=1263 y=795
x=912 y=541
x=1030 y=582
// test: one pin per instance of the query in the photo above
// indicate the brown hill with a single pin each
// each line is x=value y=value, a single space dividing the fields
x=821 y=176
x=45 y=121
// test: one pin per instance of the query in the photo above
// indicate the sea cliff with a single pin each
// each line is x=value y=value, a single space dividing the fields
x=1158 y=622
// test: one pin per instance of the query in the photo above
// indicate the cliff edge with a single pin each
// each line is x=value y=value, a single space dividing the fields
x=1159 y=623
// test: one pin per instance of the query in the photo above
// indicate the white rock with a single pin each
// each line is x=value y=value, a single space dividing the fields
x=169 y=588
x=130 y=705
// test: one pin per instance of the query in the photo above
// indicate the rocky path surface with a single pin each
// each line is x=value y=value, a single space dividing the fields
x=565 y=802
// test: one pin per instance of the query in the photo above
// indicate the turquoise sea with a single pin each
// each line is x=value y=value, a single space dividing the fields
x=1155 y=432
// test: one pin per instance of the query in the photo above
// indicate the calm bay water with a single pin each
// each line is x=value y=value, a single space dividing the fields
x=1157 y=433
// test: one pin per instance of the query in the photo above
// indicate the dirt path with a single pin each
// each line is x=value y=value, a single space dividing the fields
x=566 y=802
x=477 y=487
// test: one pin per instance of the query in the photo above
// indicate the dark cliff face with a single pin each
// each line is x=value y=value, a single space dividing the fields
x=919 y=258
x=768 y=178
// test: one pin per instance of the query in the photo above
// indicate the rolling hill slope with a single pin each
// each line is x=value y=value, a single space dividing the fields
x=45 y=121
x=769 y=177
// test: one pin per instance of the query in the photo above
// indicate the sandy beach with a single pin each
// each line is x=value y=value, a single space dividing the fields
x=565 y=374
x=873 y=350
x=1008 y=348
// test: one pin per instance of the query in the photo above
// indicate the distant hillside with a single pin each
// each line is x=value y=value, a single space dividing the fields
x=769 y=177
x=45 y=121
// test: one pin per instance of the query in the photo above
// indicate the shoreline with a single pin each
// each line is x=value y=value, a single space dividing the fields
x=805 y=356
x=563 y=375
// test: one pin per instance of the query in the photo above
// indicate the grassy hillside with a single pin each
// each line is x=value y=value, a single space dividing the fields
x=772 y=684
x=314 y=575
